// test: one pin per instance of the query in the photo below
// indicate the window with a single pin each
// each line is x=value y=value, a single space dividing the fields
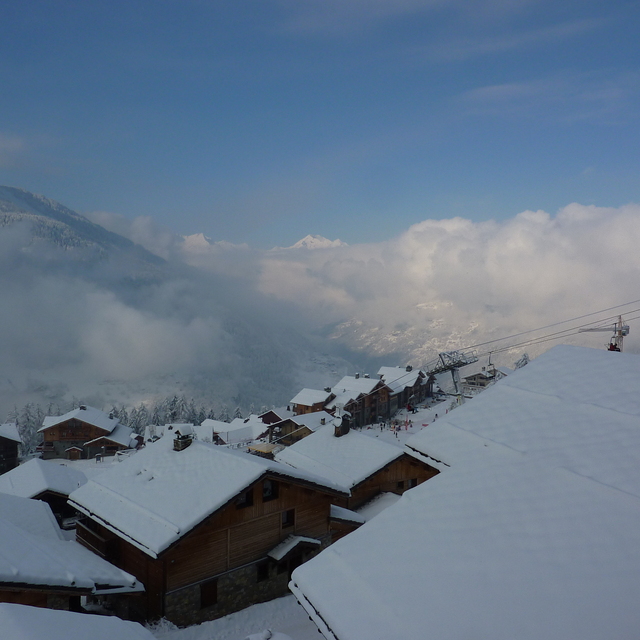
x=262 y=571
x=208 y=593
x=401 y=485
x=288 y=518
x=245 y=499
x=413 y=483
x=269 y=490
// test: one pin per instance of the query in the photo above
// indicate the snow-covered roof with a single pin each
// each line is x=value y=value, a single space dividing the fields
x=157 y=496
x=120 y=435
x=377 y=505
x=33 y=553
x=309 y=397
x=21 y=622
x=347 y=460
x=533 y=531
x=157 y=431
x=346 y=515
x=242 y=429
x=310 y=420
x=37 y=476
x=572 y=407
x=32 y=516
x=280 y=412
x=343 y=398
x=216 y=425
x=357 y=385
x=290 y=543
x=84 y=413
x=9 y=430
x=398 y=378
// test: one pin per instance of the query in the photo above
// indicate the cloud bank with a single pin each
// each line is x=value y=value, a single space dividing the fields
x=232 y=325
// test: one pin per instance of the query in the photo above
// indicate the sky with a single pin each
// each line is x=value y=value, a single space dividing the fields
x=261 y=122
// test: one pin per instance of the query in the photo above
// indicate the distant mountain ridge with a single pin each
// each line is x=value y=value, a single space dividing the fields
x=317 y=242
x=53 y=222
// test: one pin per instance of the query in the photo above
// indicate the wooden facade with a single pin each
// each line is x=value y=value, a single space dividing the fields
x=369 y=408
x=228 y=547
x=288 y=432
x=8 y=454
x=68 y=434
x=46 y=597
x=403 y=473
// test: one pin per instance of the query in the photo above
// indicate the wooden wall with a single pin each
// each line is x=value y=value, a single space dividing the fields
x=237 y=536
x=72 y=430
x=388 y=479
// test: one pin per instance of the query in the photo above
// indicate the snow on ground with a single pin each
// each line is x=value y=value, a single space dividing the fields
x=408 y=424
x=283 y=615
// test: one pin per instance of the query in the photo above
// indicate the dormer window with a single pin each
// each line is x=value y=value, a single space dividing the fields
x=245 y=499
x=269 y=490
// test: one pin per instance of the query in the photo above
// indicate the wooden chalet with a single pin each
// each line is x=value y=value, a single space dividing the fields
x=63 y=435
x=9 y=443
x=407 y=386
x=363 y=465
x=208 y=530
x=288 y=431
x=39 y=567
x=365 y=399
x=45 y=480
x=311 y=400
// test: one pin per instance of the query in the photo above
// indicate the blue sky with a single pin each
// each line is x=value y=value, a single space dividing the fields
x=261 y=121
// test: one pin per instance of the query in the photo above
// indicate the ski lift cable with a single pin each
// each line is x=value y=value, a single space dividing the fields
x=541 y=339
x=554 y=324
x=568 y=331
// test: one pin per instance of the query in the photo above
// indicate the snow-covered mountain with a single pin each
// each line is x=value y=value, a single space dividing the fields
x=89 y=314
x=316 y=242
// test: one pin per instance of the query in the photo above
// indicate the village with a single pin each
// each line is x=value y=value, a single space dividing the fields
x=492 y=490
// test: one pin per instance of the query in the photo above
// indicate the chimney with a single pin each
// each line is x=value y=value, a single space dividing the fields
x=83 y=407
x=341 y=429
x=323 y=420
x=366 y=375
x=327 y=389
x=357 y=375
x=408 y=368
x=181 y=442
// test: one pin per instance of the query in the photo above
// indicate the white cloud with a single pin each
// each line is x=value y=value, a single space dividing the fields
x=472 y=279
x=11 y=148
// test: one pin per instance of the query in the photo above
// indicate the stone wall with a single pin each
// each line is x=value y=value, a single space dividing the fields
x=236 y=589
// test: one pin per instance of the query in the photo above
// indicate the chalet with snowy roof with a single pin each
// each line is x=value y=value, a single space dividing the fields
x=288 y=431
x=365 y=399
x=47 y=481
x=9 y=443
x=39 y=567
x=363 y=465
x=311 y=401
x=531 y=530
x=407 y=386
x=64 y=435
x=275 y=415
x=21 y=622
x=120 y=439
x=202 y=526
x=474 y=381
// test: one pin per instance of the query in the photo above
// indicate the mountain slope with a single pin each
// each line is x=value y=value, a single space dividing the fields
x=57 y=225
